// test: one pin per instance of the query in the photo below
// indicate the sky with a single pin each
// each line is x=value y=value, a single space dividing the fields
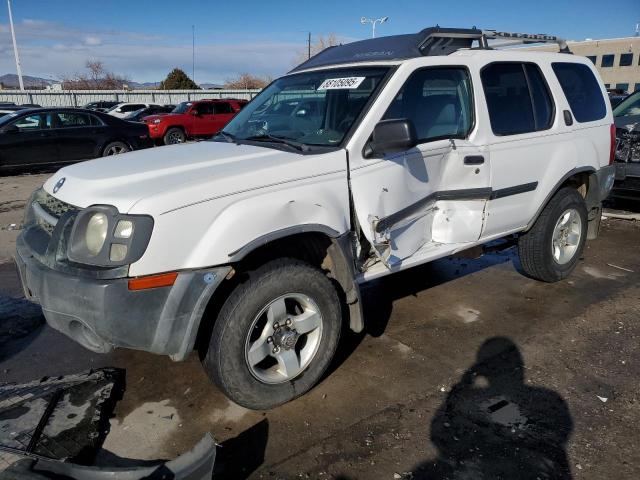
x=143 y=40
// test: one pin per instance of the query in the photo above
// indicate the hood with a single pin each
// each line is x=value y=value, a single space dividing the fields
x=173 y=176
x=151 y=118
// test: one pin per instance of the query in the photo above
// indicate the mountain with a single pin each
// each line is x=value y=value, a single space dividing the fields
x=10 y=80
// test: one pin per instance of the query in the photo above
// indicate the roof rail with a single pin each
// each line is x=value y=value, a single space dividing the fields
x=428 y=42
x=522 y=38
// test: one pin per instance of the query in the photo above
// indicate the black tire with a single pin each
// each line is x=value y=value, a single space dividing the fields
x=115 y=148
x=535 y=247
x=226 y=362
x=173 y=136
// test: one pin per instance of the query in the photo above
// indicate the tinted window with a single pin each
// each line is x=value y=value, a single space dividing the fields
x=438 y=101
x=607 y=61
x=222 y=108
x=593 y=58
x=582 y=91
x=510 y=100
x=72 y=119
x=39 y=121
x=626 y=59
x=630 y=106
x=204 y=108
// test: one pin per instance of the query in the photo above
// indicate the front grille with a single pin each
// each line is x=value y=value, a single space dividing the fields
x=51 y=210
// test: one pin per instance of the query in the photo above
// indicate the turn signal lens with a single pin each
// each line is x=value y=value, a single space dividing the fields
x=153 y=281
x=124 y=229
x=612 y=152
x=118 y=252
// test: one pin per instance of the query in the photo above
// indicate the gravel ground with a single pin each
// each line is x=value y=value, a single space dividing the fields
x=467 y=369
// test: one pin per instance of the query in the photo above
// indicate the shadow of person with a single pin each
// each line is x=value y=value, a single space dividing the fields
x=493 y=426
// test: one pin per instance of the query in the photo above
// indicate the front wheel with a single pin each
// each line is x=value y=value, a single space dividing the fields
x=275 y=335
x=551 y=249
x=174 y=136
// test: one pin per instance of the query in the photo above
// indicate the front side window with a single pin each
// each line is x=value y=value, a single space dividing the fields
x=582 y=90
x=72 y=119
x=39 y=121
x=518 y=98
x=438 y=101
x=313 y=108
x=607 y=61
x=626 y=59
x=204 y=108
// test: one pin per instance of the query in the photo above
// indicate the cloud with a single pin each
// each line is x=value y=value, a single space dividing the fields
x=54 y=50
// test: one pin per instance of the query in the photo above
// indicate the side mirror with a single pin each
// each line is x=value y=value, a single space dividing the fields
x=390 y=136
x=11 y=129
x=194 y=113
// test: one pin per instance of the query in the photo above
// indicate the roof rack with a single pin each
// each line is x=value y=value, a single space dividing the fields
x=428 y=42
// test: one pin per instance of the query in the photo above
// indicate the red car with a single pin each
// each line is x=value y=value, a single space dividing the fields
x=201 y=118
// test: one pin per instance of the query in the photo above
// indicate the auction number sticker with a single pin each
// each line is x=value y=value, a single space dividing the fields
x=341 y=83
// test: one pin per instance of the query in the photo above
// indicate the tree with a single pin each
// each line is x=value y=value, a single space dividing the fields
x=97 y=77
x=246 y=81
x=319 y=44
x=178 y=80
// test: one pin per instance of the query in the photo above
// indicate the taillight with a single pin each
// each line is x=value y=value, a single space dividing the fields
x=612 y=150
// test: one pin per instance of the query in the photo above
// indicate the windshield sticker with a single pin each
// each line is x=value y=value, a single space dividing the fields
x=341 y=83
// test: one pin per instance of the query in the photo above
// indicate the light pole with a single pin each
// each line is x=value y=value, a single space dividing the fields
x=15 y=47
x=373 y=21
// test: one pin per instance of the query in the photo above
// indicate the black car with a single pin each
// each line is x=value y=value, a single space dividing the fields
x=41 y=136
x=627 y=118
x=101 y=106
x=138 y=115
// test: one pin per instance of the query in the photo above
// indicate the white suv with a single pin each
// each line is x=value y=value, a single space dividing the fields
x=123 y=109
x=252 y=247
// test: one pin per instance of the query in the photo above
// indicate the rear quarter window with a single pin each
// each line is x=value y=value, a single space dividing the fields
x=582 y=90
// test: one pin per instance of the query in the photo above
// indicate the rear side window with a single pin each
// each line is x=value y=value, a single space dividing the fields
x=222 y=107
x=582 y=91
x=518 y=98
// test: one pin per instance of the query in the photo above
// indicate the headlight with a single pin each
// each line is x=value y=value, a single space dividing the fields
x=103 y=237
x=157 y=121
x=96 y=233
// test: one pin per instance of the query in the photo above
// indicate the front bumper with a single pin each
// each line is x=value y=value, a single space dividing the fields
x=627 y=184
x=102 y=314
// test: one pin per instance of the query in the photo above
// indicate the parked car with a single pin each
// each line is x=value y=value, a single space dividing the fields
x=44 y=136
x=139 y=115
x=253 y=246
x=121 y=110
x=102 y=105
x=198 y=119
x=627 y=118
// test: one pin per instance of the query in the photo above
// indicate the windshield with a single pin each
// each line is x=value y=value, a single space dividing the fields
x=182 y=107
x=630 y=106
x=314 y=108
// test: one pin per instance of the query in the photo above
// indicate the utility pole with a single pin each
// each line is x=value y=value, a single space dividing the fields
x=373 y=22
x=309 y=46
x=15 y=47
x=193 y=53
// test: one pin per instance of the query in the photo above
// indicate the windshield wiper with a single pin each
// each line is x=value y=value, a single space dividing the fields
x=301 y=147
x=229 y=137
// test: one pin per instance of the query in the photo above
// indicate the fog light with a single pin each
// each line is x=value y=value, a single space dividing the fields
x=124 y=229
x=118 y=252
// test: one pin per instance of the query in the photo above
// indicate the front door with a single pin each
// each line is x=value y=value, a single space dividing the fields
x=29 y=140
x=77 y=134
x=435 y=193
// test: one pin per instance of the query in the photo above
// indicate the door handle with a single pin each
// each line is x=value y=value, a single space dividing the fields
x=474 y=160
x=568 y=118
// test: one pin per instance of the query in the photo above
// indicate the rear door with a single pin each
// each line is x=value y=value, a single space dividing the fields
x=531 y=145
x=78 y=135
x=33 y=143
x=432 y=194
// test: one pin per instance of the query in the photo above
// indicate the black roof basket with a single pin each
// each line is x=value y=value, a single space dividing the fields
x=428 y=42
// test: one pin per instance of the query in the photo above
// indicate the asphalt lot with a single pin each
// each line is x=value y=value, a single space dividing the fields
x=467 y=366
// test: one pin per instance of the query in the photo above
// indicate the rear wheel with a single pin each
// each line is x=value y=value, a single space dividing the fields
x=551 y=249
x=115 y=148
x=173 y=136
x=275 y=335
